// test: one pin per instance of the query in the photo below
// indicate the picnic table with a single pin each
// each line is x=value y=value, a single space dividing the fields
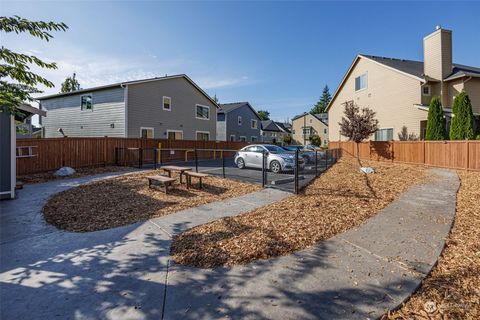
x=169 y=170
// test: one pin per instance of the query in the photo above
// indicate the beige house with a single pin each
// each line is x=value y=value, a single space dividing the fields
x=307 y=124
x=399 y=91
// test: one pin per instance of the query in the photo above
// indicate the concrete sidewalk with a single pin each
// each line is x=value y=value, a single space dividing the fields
x=127 y=273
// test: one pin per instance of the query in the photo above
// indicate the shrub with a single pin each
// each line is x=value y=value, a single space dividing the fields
x=461 y=126
x=436 y=121
x=315 y=140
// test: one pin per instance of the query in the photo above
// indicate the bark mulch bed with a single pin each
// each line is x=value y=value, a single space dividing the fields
x=338 y=200
x=452 y=290
x=127 y=199
x=80 y=172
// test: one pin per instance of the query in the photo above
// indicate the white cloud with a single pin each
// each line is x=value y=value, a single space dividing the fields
x=219 y=82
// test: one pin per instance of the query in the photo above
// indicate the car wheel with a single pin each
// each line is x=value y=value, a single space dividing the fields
x=275 y=166
x=241 y=163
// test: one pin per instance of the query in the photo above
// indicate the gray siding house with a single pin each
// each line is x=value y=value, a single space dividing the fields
x=170 y=107
x=238 y=121
x=272 y=132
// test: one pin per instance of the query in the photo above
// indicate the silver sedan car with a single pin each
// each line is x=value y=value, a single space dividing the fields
x=277 y=158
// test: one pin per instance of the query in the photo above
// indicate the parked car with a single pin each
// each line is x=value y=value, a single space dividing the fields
x=307 y=154
x=277 y=159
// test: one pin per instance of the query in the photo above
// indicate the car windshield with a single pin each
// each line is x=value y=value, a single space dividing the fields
x=274 y=148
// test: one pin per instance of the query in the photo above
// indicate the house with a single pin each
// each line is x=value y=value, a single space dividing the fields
x=238 y=121
x=172 y=107
x=8 y=148
x=307 y=124
x=399 y=90
x=27 y=130
x=271 y=132
x=285 y=126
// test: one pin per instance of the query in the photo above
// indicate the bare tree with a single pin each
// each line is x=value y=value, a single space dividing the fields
x=357 y=125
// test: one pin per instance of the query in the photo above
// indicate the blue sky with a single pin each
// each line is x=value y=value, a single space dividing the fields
x=276 y=55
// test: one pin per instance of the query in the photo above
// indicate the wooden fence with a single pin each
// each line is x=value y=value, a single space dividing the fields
x=53 y=153
x=444 y=154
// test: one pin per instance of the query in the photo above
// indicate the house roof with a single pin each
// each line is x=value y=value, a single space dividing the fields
x=270 y=125
x=228 y=107
x=316 y=116
x=125 y=83
x=410 y=68
x=283 y=126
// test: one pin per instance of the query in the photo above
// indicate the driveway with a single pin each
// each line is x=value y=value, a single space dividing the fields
x=126 y=273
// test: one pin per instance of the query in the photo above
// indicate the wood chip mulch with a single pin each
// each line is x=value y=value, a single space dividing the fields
x=452 y=290
x=338 y=200
x=127 y=199
x=80 y=172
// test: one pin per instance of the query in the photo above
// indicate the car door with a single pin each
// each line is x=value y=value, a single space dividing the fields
x=248 y=154
x=257 y=157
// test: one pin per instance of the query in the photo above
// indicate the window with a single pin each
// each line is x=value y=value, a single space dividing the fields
x=203 y=112
x=306 y=131
x=86 y=102
x=426 y=90
x=293 y=131
x=146 y=133
x=167 y=103
x=361 y=82
x=384 y=135
x=232 y=137
x=273 y=134
x=239 y=120
x=253 y=139
x=243 y=138
x=221 y=117
x=325 y=131
x=203 y=135
x=311 y=120
x=254 y=124
x=174 y=135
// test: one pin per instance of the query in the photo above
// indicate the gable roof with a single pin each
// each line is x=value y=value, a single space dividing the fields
x=270 y=125
x=316 y=116
x=121 y=84
x=409 y=68
x=229 y=107
x=283 y=126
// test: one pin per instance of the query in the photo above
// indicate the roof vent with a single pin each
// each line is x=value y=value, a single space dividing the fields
x=438 y=27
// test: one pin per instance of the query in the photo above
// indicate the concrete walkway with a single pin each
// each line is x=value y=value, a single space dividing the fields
x=126 y=273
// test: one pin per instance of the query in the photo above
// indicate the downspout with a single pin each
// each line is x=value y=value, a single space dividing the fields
x=125 y=102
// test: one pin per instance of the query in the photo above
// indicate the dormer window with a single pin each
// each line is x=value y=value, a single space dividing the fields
x=361 y=82
x=426 y=90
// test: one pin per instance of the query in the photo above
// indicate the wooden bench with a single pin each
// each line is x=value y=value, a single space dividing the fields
x=198 y=175
x=181 y=170
x=164 y=181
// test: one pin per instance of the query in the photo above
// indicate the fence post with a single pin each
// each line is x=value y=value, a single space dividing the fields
x=196 y=160
x=263 y=168
x=140 y=157
x=316 y=163
x=116 y=156
x=296 y=172
x=223 y=164
x=105 y=148
x=468 y=156
x=155 y=158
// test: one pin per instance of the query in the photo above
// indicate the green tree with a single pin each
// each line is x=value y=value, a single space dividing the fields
x=215 y=98
x=322 y=103
x=263 y=114
x=287 y=139
x=461 y=126
x=315 y=140
x=17 y=82
x=70 y=84
x=435 y=121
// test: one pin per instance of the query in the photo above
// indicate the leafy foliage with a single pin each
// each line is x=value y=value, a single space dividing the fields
x=263 y=114
x=315 y=140
x=435 y=122
x=357 y=125
x=287 y=139
x=70 y=84
x=17 y=82
x=461 y=126
x=405 y=136
x=321 y=105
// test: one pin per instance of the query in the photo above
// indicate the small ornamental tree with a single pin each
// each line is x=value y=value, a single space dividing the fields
x=315 y=140
x=70 y=84
x=17 y=81
x=287 y=139
x=357 y=125
x=436 y=121
x=461 y=126
x=405 y=136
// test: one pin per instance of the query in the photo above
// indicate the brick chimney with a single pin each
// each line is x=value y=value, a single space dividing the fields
x=437 y=54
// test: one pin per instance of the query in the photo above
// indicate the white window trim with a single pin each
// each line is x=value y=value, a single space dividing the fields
x=386 y=128
x=82 y=95
x=163 y=103
x=201 y=105
x=252 y=122
x=168 y=130
x=366 y=87
x=199 y=131
x=239 y=121
x=240 y=138
x=429 y=91
x=234 y=137
x=147 y=128
x=251 y=138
